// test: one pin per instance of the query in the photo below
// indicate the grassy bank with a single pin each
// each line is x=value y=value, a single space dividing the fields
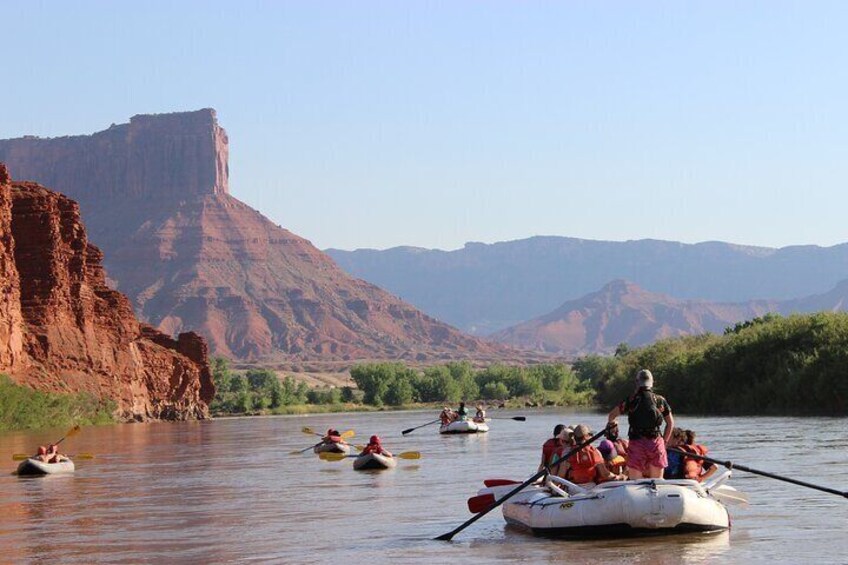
x=22 y=408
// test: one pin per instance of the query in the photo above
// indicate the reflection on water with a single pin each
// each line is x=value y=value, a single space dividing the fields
x=227 y=490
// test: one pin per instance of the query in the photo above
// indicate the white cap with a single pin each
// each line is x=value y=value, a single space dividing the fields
x=644 y=378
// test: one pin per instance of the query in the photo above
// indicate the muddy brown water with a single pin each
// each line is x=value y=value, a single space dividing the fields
x=228 y=491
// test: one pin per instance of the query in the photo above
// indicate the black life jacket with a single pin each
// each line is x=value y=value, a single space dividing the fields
x=644 y=414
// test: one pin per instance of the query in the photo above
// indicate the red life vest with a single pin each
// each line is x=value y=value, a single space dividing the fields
x=552 y=449
x=373 y=448
x=583 y=465
x=693 y=467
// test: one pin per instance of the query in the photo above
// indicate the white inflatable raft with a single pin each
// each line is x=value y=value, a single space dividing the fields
x=615 y=509
x=464 y=427
x=373 y=461
x=30 y=467
x=332 y=448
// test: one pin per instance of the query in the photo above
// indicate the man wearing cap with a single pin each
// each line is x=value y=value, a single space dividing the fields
x=553 y=449
x=646 y=412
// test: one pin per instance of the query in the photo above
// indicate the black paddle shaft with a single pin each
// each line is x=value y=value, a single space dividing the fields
x=448 y=536
x=731 y=465
x=404 y=432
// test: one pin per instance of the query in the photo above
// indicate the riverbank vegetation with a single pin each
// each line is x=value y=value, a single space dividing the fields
x=22 y=408
x=395 y=385
x=774 y=365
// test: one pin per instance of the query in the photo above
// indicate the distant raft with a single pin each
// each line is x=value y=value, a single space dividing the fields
x=332 y=447
x=374 y=461
x=34 y=467
x=561 y=509
x=464 y=427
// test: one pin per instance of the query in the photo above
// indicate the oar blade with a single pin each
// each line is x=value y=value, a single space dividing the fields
x=308 y=431
x=409 y=455
x=83 y=456
x=73 y=431
x=477 y=504
x=520 y=418
x=332 y=456
x=20 y=456
x=348 y=434
x=408 y=430
x=500 y=482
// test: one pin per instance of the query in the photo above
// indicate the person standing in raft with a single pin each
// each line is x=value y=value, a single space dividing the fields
x=375 y=446
x=462 y=413
x=646 y=412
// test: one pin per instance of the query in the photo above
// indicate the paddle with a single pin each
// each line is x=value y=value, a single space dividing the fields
x=448 y=536
x=22 y=456
x=731 y=465
x=344 y=435
x=516 y=418
x=404 y=432
x=340 y=456
x=70 y=433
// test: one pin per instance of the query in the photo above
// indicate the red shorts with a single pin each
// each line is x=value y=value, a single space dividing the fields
x=643 y=452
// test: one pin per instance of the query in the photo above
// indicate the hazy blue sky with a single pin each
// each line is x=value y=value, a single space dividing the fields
x=375 y=124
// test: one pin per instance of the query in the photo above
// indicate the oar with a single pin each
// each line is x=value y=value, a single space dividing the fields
x=22 y=456
x=731 y=465
x=404 y=432
x=340 y=456
x=70 y=433
x=516 y=418
x=344 y=435
x=448 y=536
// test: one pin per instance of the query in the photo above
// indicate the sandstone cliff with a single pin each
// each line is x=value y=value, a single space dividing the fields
x=190 y=256
x=63 y=329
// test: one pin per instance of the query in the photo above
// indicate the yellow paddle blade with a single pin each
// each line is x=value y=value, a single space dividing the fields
x=83 y=456
x=332 y=456
x=72 y=432
x=20 y=456
x=409 y=455
x=308 y=431
x=348 y=434
x=359 y=447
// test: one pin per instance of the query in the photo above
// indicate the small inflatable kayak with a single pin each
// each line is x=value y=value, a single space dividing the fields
x=31 y=467
x=373 y=461
x=465 y=427
x=332 y=448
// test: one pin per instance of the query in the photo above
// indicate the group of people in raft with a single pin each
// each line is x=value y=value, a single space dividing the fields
x=461 y=414
x=375 y=444
x=642 y=455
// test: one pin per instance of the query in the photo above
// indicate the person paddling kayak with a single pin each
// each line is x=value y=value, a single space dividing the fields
x=375 y=445
x=646 y=412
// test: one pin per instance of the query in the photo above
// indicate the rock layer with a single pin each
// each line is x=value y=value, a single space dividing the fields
x=63 y=329
x=191 y=256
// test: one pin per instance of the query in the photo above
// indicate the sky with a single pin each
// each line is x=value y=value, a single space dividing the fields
x=377 y=124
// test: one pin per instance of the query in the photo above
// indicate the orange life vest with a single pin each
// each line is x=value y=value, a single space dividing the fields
x=693 y=467
x=583 y=465
x=373 y=448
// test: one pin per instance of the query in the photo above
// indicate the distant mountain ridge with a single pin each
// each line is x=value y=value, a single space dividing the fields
x=622 y=312
x=189 y=255
x=483 y=288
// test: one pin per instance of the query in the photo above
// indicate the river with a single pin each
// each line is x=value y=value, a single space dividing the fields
x=229 y=491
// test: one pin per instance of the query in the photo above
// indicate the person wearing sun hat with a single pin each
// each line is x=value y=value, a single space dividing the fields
x=646 y=412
